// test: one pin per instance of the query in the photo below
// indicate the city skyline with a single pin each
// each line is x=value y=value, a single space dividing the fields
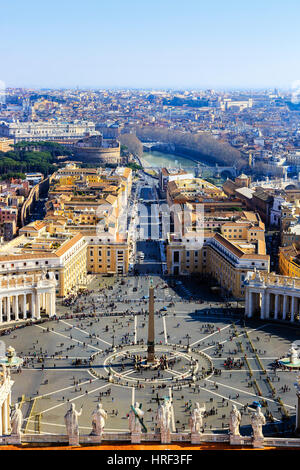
x=150 y=46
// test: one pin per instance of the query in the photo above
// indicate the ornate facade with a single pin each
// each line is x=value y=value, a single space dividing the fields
x=26 y=296
x=272 y=296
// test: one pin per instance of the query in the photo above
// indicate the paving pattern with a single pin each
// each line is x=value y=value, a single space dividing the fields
x=58 y=369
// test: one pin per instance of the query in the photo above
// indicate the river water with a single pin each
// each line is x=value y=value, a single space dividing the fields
x=167 y=160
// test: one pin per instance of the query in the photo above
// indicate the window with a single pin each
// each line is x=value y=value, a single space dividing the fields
x=176 y=256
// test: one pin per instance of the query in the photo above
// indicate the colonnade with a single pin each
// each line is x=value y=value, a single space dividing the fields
x=16 y=304
x=272 y=304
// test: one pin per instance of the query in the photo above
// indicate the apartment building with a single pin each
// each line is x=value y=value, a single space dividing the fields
x=214 y=255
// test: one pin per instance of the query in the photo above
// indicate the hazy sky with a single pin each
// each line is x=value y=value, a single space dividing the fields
x=145 y=44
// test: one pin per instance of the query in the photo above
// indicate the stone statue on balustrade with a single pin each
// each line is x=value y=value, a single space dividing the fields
x=257 y=422
x=99 y=417
x=135 y=417
x=44 y=275
x=71 y=421
x=135 y=422
x=16 y=421
x=234 y=422
x=164 y=417
x=196 y=421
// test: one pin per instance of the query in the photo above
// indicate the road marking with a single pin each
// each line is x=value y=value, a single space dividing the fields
x=135 y=328
x=124 y=374
x=247 y=393
x=70 y=339
x=76 y=398
x=63 y=389
x=242 y=357
x=226 y=340
x=212 y=334
x=165 y=330
x=176 y=373
x=222 y=396
x=82 y=331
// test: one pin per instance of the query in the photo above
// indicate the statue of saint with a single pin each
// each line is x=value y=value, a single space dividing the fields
x=164 y=415
x=196 y=421
x=257 y=422
x=16 y=420
x=99 y=417
x=234 y=421
x=135 y=415
x=71 y=421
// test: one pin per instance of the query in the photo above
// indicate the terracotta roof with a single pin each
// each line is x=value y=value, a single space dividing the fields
x=68 y=244
x=236 y=250
x=23 y=256
x=230 y=246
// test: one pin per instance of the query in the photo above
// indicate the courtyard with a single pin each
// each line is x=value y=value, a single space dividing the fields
x=88 y=355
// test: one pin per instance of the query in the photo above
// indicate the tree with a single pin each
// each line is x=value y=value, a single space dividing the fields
x=133 y=144
x=202 y=147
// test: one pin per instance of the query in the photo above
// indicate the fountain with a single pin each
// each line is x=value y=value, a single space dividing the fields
x=9 y=357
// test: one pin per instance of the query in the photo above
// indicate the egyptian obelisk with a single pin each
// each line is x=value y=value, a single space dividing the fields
x=150 y=350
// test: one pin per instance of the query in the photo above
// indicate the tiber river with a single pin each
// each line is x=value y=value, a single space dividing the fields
x=167 y=160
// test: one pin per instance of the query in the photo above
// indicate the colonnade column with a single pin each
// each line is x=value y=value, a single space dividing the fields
x=33 y=295
x=52 y=311
x=247 y=303
x=262 y=305
x=267 y=305
x=8 y=308
x=276 y=306
x=284 y=307
x=1 y=317
x=24 y=307
x=16 y=307
x=293 y=308
x=250 y=305
x=37 y=307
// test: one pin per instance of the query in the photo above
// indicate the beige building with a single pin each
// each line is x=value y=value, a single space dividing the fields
x=216 y=256
x=106 y=255
x=64 y=255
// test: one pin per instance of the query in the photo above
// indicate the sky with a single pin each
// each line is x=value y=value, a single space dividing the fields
x=153 y=44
